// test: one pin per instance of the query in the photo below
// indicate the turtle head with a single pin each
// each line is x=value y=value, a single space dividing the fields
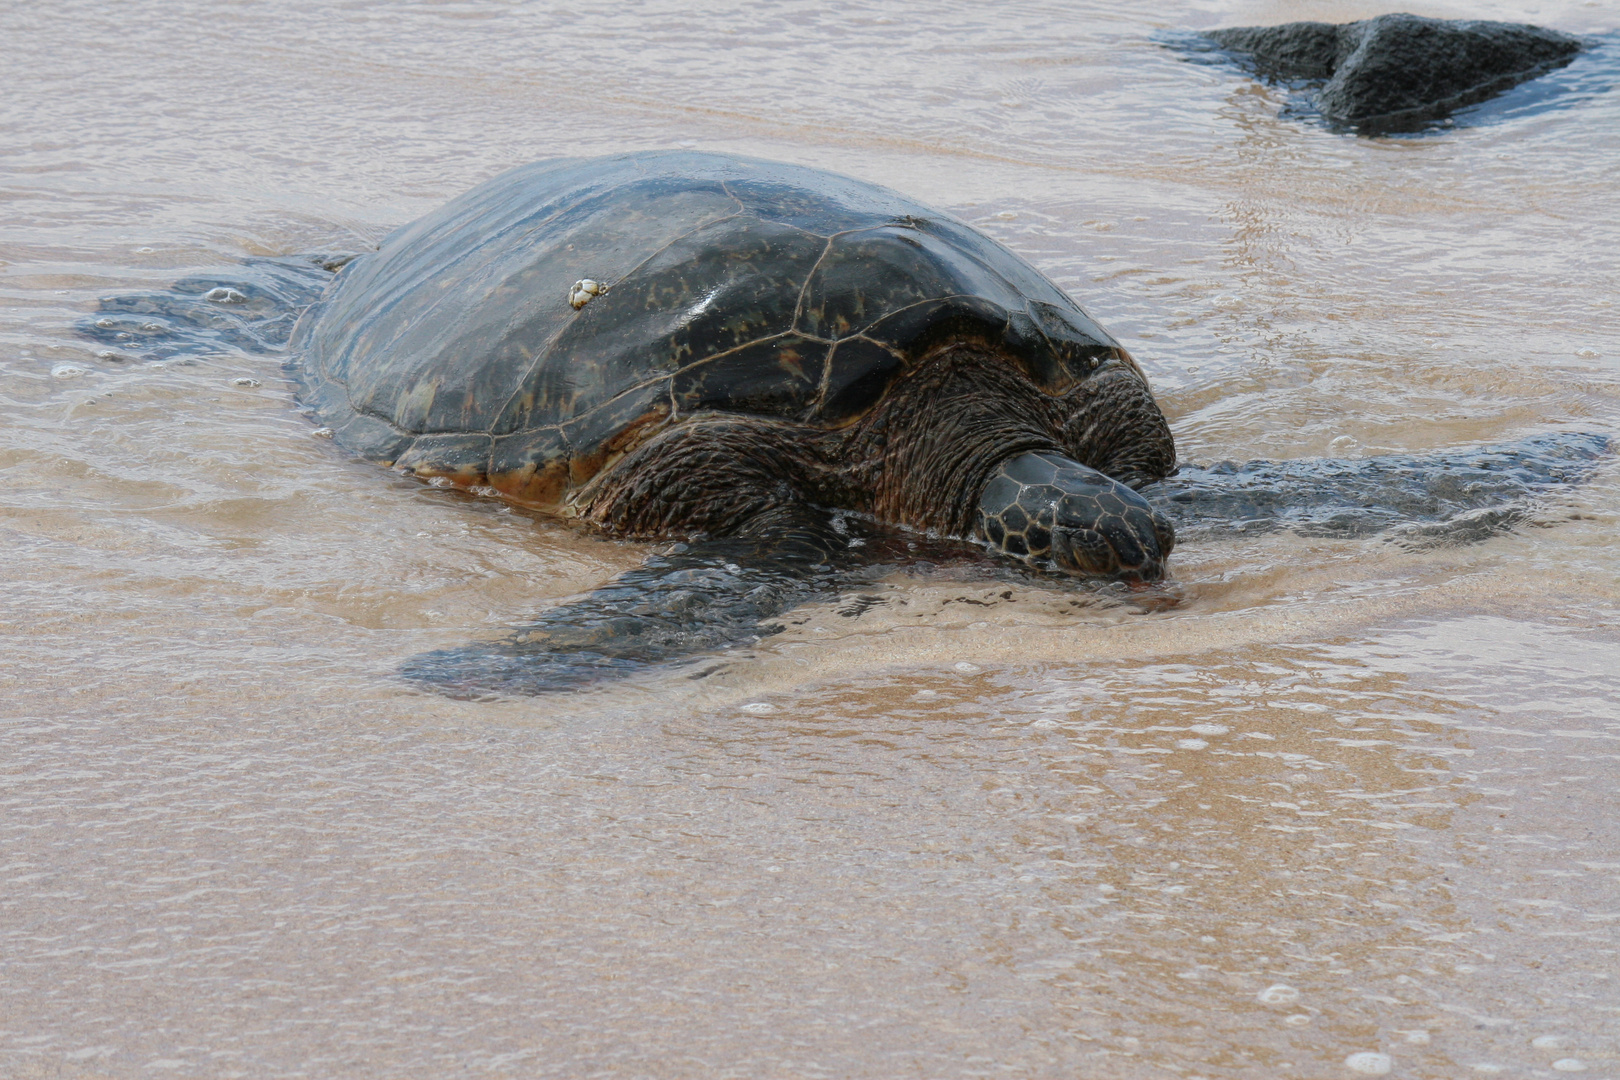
x=1043 y=507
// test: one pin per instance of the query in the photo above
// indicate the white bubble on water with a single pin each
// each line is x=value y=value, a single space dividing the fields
x=1547 y=1042
x=1569 y=1065
x=244 y=382
x=966 y=668
x=1298 y=1020
x=1368 y=1063
x=327 y=433
x=1209 y=729
x=1278 y=994
x=928 y=693
x=68 y=371
x=1190 y=744
x=759 y=708
x=222 y=295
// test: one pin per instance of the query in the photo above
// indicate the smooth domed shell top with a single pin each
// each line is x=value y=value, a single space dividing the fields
x=733 y=285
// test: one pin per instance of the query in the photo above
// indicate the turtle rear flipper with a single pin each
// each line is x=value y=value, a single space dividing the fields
x=1453 y=497
x=252 y=306
x=696 y=598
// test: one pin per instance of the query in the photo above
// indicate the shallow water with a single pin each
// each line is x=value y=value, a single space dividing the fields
x=1345 y=798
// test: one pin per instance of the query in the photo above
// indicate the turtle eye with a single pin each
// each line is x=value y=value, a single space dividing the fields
x=1084 y=552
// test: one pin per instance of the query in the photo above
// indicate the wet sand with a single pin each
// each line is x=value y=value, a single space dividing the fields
x=1345 y=798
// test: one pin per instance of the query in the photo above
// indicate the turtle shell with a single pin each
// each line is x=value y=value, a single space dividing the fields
x=729 y=285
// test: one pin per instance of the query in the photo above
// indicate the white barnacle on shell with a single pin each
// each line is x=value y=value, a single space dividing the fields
x=584 y=290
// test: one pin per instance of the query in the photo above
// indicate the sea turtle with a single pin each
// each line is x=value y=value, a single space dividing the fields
x=672 y=344
x=792 y=375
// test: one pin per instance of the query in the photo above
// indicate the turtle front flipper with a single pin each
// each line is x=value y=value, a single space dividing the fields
x=695 y=598
x=1458 y=496
x=1043 y=507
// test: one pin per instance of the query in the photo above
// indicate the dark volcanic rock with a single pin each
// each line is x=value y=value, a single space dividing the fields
x=1399 y=72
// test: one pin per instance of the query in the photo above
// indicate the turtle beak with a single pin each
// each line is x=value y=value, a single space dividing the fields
x=1126 y=543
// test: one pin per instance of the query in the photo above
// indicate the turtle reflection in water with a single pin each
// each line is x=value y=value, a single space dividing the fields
x=796 y=375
